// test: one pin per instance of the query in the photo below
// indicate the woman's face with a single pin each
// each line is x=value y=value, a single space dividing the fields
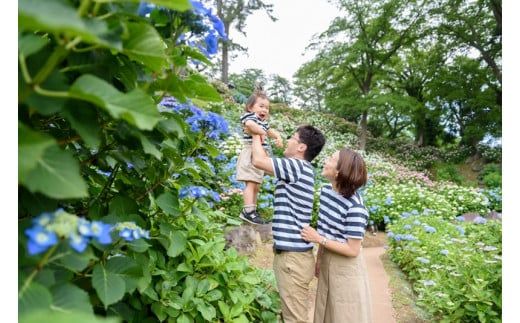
x=330 y=167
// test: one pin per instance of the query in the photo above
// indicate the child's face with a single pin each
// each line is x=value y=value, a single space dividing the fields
x=261 y=108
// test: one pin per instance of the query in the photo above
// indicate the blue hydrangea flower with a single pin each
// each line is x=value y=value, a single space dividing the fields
x=388 y=200
x=198 y=192
x=39 y=239
x=44 y=219
x=130 y=231
x=460 y=218
x=78 y=242
x=460 y=229
x=407 y=227
x=444 y=252
x=386 y=219
x=221 y=157
x=429 y=229
x=101 y=232
x=428 y=283
x=479 y=220
x=423 y=260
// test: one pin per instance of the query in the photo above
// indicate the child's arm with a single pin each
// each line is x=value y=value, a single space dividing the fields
x=253 y=128
x=271 y=133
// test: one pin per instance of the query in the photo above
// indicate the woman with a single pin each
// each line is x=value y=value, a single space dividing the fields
x=343 y=293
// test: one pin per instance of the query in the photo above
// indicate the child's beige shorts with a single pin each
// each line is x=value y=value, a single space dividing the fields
x=245 y=170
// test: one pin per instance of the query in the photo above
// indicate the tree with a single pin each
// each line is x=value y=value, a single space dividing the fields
x=236 y=12
x=279 y=89
x=477 y=25
x=469 y=103
x=308 y=85
x=362 y=43
x=413 y=73
x=246 y=81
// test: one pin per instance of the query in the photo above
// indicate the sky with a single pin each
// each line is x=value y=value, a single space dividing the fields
x=278 y=47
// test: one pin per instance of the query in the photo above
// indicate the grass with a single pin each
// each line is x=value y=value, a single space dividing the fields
x=403 y=297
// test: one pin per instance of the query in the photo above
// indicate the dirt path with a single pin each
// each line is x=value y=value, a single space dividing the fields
x=382 y=309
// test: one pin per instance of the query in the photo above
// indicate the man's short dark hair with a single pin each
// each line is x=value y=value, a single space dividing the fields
x=313 y=138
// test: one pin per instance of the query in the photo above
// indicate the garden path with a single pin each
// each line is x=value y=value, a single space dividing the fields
x=382 y=310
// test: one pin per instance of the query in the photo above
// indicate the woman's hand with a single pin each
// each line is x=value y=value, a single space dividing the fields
x=310 y=235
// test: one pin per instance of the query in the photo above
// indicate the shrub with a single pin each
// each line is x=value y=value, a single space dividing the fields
x=491 y=175
x=455 y=267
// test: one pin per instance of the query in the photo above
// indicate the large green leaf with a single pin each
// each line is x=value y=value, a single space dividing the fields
x=68 y=298
x=149 y=147
x=75 y=261
x=194 y=87
x=57 y=16
x=145 y=45
x=31 y=146
x=136 y=107
x=121 y=206
x=56 y=175
x=84 y=120
x=178 y=244
x=60 y=317
x=109 y=286
x=179 y=5
x=207 y=310
x=35 y=297
x=172 y=125
x=126 y=268
x=31 y=43
x=168 y=203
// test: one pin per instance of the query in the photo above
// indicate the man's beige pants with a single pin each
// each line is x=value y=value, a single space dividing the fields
x=294 y=272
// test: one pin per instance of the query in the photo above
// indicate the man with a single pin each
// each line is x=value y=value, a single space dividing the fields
x=293 y=260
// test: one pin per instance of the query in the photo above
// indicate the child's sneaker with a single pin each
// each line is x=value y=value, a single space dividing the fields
x=252 y=217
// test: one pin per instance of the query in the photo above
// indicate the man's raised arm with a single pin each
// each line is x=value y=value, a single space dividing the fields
x=260 y=159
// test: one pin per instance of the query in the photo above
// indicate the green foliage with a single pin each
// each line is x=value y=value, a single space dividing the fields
x=93 y=141
x=448 y=172
x=456 y=269
x=491 y=175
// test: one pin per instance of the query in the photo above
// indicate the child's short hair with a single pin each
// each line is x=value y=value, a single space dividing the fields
x=257 y=93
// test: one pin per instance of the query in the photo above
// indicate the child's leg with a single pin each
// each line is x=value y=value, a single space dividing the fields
x=249 y=195
x=257 y=191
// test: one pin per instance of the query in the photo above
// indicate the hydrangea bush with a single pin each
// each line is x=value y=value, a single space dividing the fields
x=455 y=266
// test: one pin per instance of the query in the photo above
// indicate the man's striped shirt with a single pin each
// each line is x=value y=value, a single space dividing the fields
x=247 y=138
x=341 y=218
x=293 y=199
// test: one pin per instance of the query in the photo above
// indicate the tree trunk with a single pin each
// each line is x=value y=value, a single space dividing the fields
x=363 y=134
x=224 y=71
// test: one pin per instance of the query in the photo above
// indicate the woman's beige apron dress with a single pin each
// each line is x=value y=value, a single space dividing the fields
x=343 y=293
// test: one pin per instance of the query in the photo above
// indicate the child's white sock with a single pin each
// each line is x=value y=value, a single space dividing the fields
x=249 y=208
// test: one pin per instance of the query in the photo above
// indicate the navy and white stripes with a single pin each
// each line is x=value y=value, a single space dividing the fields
x=247 y=138
x=294 y=197
x=341 y=218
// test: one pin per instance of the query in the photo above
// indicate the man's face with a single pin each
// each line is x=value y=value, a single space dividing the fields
x=293 y=145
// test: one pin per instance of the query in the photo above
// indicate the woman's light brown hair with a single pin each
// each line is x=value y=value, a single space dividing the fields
x=352 y=172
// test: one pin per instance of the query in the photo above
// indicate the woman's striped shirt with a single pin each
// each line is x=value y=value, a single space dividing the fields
x=341 y=218
x=293 y=199
x=247 y=138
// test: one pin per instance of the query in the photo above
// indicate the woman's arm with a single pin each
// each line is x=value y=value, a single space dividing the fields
x=350 y=249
